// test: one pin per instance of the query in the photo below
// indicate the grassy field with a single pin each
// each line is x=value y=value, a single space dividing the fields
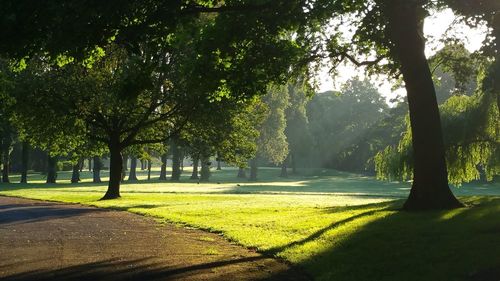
x=337 y=226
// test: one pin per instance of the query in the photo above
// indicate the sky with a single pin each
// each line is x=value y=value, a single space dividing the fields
x=435 y=26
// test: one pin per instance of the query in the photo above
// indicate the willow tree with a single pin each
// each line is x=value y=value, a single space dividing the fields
x=470 y=124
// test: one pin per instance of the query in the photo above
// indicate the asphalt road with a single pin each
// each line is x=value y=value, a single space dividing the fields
x=51 y=241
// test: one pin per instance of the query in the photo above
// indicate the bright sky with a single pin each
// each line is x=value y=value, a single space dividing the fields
x=435 y=27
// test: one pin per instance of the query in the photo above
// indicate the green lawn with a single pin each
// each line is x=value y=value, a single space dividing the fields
x=337 y=226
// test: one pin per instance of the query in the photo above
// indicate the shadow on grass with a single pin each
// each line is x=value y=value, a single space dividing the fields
x=148 y=269
x=461 y=244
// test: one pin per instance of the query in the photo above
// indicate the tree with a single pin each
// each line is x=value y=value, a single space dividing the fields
x=471 y=137
x=390 y=28
x=394 y=31
x=6 y=118
x=297 y=127
x=271 y=143
x=228 y=126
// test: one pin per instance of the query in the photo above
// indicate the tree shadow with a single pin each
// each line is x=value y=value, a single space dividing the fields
x=151 y=269
x=460 y=244
x=26 y=213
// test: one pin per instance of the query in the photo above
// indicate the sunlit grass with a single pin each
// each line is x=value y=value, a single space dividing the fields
x=338 y=226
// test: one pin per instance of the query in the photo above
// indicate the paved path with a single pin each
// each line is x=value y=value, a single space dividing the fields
x=50 y=241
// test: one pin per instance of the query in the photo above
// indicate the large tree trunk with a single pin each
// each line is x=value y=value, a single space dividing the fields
x=75 y=175
x=6 y=146
x=96 y=175
x=163 y=169
x=253 y=170
x=176 y=162
x=430 y=188
x=51 y=169
x=205 y=169
x=115 y=170
x=132 y=176
x=25 y=162
x=194 y=175
x=242 y=174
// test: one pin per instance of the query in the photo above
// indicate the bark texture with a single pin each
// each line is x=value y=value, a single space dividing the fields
x=96 y=171
x=176 y=162
x=194 y=175
x=163 y=169
x=430 y=188
x=51 y=169
x=115 y=170
x=75 y=174
x=205 y=169
x=132 y=175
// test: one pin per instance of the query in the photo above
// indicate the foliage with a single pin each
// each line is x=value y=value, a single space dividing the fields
x=41 y=115
x=471 y=136
x=272 y=143
x=455 y=70
x=339 y=124
x=297 y=123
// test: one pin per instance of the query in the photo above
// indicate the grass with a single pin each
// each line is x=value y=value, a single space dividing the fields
x=337 y=226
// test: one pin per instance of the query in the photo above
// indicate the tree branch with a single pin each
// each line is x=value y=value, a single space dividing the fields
x=345 y=55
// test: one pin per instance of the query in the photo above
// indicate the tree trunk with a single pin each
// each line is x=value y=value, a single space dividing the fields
x=51 y=169
x=194 y=175
x=242 y=174
x=81 y=162
x=149 y=169
x=284 y=170
x=25 y=162
x=176 y=162
x=90 y=164
x=219 y=167
x=75 y=175
x=97 y=170
x=132 y=176
x=163 y=169
x=181 y=159
x=205 y=169
x=253 y=170
x=115 y=170
x=293 y=163
x=430 y=188
x=124 y=166
x=6 y=145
